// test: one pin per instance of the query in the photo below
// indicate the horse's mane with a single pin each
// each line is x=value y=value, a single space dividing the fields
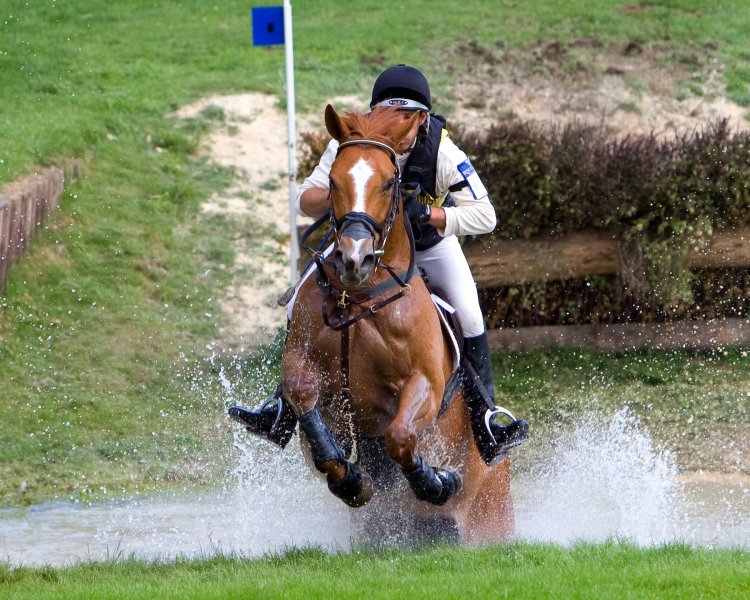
x=378 y=125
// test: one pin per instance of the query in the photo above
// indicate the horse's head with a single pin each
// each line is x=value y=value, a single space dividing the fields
x=364 y=186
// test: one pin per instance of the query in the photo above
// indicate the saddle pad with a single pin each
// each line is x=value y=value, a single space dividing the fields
x=443 y=307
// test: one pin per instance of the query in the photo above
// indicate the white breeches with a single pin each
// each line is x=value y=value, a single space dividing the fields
x=447 y=269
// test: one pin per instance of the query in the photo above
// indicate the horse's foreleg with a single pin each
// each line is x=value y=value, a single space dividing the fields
x=428 y=483
x=302 y=387
x=345 y=480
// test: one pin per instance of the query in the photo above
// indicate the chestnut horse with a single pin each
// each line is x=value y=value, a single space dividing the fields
x=367 y=374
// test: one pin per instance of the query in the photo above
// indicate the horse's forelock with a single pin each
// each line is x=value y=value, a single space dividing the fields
x=379 y=125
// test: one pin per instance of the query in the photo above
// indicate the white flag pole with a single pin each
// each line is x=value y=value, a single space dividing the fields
x=292 y=131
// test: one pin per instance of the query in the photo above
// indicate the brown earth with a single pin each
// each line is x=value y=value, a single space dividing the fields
x=633 y=89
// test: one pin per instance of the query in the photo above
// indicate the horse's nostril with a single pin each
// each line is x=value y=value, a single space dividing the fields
x=344 y=261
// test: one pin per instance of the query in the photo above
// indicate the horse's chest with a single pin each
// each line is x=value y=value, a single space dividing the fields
x=372 y=361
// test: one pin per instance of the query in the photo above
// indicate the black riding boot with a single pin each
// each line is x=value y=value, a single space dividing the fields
x=274 y=420
x=493 y=437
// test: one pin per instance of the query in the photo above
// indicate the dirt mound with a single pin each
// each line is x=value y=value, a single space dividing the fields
x=629 y=89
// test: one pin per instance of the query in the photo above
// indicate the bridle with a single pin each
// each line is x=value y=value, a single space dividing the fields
x=374 y=228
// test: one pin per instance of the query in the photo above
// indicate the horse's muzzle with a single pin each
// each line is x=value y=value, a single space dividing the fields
x=355 y=255
x=354 y=260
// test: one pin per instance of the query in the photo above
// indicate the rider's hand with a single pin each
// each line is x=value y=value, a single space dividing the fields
x=418 y=212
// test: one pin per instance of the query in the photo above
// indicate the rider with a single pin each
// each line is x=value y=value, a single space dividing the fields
x=444 y=198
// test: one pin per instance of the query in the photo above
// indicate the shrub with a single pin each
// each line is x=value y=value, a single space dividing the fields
x=658 y=196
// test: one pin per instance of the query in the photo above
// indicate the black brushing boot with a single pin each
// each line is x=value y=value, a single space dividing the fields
x=492 y=437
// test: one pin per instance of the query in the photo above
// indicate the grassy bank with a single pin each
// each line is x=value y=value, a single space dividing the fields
x=105 y=382
x=77 y=73
x=696 y=404
x=519 y=571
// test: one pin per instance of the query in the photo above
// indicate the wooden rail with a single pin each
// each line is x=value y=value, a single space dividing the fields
x=505 y=262
x=678 y=335
x=24 y=205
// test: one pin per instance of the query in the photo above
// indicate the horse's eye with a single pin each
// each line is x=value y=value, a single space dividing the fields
x=388 y=185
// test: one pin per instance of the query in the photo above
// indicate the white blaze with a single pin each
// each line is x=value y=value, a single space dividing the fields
x=361 y=173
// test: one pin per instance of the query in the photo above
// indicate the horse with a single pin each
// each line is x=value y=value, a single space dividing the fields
x=367 y=374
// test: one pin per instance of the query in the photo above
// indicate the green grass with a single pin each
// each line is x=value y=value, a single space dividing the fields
x=611 y=570
x=108 y=379
x=77 y=71
x=105 y=382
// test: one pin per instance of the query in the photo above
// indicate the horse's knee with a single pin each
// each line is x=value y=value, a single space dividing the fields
x=400 y=443
x=301 y=389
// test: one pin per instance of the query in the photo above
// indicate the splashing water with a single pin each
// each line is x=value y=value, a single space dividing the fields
x=274 y=504
x=603 y=479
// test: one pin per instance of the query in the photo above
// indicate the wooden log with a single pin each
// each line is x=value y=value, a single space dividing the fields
x=27 y=203
x=697 y=335
x=57 y=188
x=43 y=189
x=507 y=262
x=725 y=250
x=576 y=255
x=15 y=247
x=4 y=240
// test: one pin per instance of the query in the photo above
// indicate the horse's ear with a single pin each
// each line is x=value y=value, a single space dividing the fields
x=335 y=126
x=405 y=127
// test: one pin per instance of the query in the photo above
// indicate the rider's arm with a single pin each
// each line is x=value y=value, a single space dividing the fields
x=473 y=213
x=314 y=202
x=312 y=194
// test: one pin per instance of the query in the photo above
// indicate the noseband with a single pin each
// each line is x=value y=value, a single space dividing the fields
x=361 y=224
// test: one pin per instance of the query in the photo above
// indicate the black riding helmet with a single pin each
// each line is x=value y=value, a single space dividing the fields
x=402 y=87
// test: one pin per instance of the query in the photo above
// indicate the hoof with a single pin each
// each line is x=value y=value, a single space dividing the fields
x=432 y=485
x=451 y=481
x=364 y=496
x=355 y=490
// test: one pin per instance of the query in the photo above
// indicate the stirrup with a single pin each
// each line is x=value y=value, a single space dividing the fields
x=490 y=415
x=504 y=437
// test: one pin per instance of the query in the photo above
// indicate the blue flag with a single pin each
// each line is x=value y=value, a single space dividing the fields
x=268 y=25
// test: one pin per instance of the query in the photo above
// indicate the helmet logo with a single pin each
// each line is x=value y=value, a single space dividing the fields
x=401 y=104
